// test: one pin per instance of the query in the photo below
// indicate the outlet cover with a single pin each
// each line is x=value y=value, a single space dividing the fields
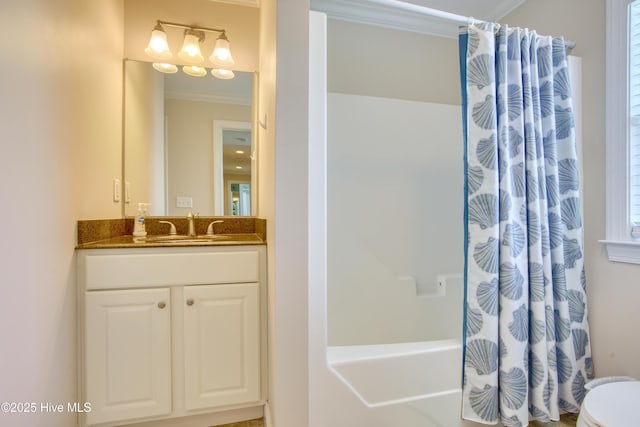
x=184 y=202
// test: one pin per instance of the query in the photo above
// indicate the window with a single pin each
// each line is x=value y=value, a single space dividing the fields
x=623 y=130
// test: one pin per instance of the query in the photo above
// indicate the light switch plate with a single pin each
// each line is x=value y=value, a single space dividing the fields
x=117 y=190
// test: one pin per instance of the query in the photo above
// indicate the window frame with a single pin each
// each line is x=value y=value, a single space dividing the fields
x=620 y=246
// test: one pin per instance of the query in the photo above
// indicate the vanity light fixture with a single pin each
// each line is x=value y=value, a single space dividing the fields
x=158 y=48
x=239 y=152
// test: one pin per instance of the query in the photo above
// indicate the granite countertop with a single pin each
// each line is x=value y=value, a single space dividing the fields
x=116 y=233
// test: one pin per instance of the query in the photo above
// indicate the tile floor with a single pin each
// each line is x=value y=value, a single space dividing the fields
x=566 y=420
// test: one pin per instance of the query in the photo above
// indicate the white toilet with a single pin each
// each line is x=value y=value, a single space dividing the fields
x=611 y=402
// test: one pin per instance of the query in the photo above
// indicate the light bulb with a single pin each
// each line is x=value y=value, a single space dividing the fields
x=158 y=47
x=190 y=51
x=222 y=53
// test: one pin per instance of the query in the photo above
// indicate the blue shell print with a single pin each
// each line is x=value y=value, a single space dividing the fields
x=555 y=230
x=537 y=281
x=514 y=388
x=561 y=84
x=577 y=388
x=514 y=239
x=487 y=152
x=488 y=296
x=572 y=252
x=568 y=175
x=571 y=215
x=517 y=179
x=564 y=122
x=562 y=326
x=483 y=210
x=580 y=342
x=537 y=331
x=474 y=321
x=546 y=99
x=486 y=255
x=559 y=51
x=576 y=305
x=480 y=70
x=473 y=41
x=564 y=367
x=512 y=281
x=475 y=177
x=559 y=282
x=519 y=327
x=553 y=196
x=545 y=61
x=484 y=113
x=536 y=370
x=482 y=355
x=485 y=402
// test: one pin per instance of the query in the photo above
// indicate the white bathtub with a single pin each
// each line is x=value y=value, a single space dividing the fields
x=390 y=374
x=414 y=384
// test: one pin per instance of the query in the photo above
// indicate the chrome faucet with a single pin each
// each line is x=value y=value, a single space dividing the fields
x=192 y=227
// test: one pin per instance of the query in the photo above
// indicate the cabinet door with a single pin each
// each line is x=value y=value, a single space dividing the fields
x=127 y=354
x=221 y=345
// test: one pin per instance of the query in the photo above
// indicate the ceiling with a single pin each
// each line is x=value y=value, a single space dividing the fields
x=378 y=12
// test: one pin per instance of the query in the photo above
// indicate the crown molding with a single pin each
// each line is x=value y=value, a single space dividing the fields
x=205 y=97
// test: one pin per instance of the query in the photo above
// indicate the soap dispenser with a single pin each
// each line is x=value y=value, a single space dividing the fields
x=138 y=224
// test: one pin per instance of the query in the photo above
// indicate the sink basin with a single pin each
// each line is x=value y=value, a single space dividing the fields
x=187 y=239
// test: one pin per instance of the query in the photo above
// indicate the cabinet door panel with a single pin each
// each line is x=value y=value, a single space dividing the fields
x=127 y=358
x=222 y=345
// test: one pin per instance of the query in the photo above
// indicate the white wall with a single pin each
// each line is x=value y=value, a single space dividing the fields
x=283 y=106
x=613 y=289
x=60 y=133
x=395 y=210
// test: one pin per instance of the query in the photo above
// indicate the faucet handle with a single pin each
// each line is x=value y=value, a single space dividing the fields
x=172 y=229
x=210 y=227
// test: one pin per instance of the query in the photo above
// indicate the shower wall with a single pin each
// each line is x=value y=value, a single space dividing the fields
x=395 y=220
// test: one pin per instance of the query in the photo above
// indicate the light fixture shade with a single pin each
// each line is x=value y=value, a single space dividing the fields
x=165 y=68
x=222 y=53
x=222 y=74
x=190 y=51
x=194 y=70
x=158 y=47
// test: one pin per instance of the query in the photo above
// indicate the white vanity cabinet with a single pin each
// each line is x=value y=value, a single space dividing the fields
x=171 y=332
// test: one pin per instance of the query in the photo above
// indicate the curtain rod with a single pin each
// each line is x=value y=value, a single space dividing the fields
x=441 y=14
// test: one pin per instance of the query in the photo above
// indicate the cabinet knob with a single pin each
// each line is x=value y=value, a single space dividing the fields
x=161 y=305
x=190 y=301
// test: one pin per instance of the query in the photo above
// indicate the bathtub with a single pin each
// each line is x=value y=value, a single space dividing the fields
x=411 y=384
x=391 y=374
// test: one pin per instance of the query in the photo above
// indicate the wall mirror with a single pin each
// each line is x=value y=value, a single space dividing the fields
x=189 y=143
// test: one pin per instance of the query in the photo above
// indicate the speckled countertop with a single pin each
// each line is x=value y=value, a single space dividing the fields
x=116 y=233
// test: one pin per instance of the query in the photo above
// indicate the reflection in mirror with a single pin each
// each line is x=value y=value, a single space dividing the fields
x=182 y=141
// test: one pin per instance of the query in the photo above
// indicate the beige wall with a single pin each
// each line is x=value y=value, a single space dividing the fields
x=60 y=147
x=190 y=150
x=386 y=63
x=241 y=25
x=612 y=288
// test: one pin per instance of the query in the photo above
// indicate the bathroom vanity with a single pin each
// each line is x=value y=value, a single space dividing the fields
x=172 y=330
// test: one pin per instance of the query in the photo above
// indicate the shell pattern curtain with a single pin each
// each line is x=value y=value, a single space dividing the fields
x=527 y=351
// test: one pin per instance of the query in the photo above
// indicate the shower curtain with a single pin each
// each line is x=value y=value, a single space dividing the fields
x=527 y=352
